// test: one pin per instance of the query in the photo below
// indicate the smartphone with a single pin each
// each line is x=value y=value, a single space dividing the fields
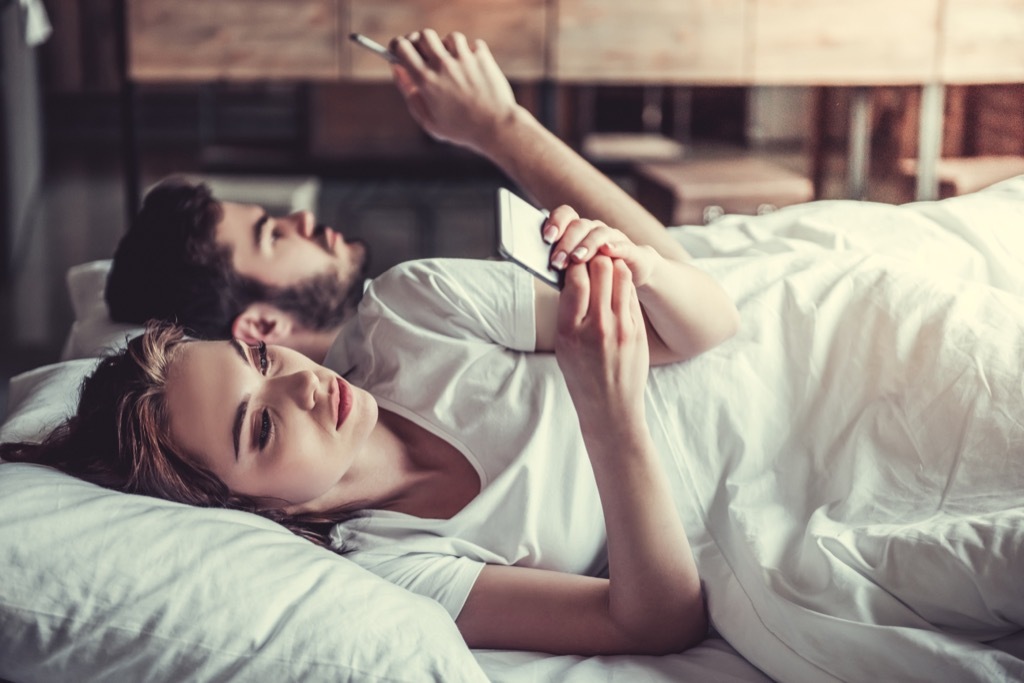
x=520 y=239
x=373 y=46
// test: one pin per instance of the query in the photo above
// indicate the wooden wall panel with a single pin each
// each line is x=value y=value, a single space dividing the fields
x=999 y=125
x=983 y=41
x=658 y=41
x=188 y=40
x=839 y=42
x=721 y=42
x=361 y=120
x=515 y=30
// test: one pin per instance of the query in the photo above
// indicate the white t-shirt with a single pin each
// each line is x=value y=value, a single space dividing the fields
x=446 y=343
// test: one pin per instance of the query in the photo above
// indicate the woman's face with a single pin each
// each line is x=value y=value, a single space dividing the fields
x=269 y=422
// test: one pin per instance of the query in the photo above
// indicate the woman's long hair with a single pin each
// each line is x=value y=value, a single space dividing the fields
x=120 y=437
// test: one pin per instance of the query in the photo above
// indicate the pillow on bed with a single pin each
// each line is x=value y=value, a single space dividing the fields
x=104 y=586
x=93 y=333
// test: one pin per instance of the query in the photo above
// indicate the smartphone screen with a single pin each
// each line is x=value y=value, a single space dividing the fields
x=520 y=239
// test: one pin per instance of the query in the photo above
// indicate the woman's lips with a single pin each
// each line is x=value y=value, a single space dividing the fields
x=344 y=402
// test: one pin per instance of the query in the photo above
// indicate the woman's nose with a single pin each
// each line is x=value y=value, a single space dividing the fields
x=301 y=387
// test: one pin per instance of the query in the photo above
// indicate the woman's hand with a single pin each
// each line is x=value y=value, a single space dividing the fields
x=455 y=91
x=578 y=240
x=601 y=344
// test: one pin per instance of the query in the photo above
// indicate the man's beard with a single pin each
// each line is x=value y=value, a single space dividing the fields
x=322 y=302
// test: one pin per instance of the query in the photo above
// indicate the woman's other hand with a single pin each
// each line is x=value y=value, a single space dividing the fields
x=601 y=344
x=578 y=240
x=454 y=90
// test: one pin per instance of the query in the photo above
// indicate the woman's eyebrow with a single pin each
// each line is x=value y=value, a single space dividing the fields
x=243 y=407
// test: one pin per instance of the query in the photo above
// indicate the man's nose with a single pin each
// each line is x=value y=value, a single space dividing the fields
x=305 y=223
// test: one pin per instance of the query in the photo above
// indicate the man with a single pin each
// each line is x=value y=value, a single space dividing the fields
x=224 y=269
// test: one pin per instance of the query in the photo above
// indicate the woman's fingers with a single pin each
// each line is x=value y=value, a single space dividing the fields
x=592 y=237
x=574 y=300
x=622 y=292
x=601 y=285
x=558 y=220
x=580 y=241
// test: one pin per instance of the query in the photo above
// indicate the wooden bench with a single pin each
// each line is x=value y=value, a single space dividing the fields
x=963 y=175
x=694 y=192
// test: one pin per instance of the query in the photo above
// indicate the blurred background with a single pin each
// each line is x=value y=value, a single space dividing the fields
x=699 y=107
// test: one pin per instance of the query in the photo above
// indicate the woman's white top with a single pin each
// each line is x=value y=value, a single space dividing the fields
x=447 y=344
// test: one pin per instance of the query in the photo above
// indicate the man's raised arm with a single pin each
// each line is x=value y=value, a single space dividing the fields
x=456 y=92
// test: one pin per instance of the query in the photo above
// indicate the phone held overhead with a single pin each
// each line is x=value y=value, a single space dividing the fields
x=373 y=46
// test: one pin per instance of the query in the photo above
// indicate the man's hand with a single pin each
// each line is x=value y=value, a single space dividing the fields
x=455 y=91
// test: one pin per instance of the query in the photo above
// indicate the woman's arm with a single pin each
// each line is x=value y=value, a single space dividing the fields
x=652 y=602
x=686 y=311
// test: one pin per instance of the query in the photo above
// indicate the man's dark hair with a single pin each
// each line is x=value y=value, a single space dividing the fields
x=168 y=266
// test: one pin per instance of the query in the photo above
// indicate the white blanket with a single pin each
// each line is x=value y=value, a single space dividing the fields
x=852 y=465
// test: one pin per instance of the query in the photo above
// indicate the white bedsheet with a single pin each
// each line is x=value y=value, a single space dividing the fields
x=854 y=460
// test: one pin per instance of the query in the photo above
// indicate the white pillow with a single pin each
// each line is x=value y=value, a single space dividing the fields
x=41 y=398
x=93 y=333
x=104 y=586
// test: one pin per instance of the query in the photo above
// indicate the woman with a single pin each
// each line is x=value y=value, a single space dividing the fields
x=449 y=478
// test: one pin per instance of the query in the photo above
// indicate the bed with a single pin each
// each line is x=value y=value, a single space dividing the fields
x=903 y=563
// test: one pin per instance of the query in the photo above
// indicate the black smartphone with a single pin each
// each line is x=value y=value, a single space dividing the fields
x=373 y=46
x=520 y=239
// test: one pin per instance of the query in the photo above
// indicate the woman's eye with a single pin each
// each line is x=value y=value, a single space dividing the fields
x=275 y=235
x=264 y=362
x=265 y=428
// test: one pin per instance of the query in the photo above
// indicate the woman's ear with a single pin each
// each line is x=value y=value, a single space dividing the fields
x=263 y=322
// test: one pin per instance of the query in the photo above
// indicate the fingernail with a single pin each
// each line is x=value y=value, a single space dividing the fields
x=549 y=234
x=559 y=260
x=579 y=252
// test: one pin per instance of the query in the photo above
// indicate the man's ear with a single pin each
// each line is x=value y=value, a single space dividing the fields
x=263 y=322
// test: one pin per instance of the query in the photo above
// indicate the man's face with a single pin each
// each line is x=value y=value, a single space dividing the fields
x=286 y=251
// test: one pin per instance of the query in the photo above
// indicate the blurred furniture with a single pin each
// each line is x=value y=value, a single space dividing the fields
x=278 y=195
x=630 y=147
x=926 y=43
x=982 y=138
x=695 y=192
x=961 y=175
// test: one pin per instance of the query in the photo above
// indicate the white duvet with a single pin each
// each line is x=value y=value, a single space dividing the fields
x=854 y=461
